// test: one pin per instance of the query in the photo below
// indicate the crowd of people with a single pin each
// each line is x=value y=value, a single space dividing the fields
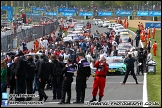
x=57 y=65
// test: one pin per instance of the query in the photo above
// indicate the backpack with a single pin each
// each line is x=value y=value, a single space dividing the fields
x=56 y=69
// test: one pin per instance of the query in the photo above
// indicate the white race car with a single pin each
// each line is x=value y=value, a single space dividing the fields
x=106 y=24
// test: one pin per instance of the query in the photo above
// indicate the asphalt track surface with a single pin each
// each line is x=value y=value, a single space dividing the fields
x=114 y=91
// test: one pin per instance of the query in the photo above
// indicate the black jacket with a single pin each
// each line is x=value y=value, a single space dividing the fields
x=21 y=67
x=73 y=56
x=58 y=66
x=37 y=67
x=45 y=69
x=84 y=69
x=30 y=70
x=12 y=70
x=130 y=62
x=68 y=71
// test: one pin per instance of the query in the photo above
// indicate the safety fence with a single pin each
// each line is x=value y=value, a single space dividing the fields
x=12 y=41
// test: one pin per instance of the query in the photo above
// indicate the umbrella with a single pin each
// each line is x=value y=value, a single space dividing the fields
x=67 y=42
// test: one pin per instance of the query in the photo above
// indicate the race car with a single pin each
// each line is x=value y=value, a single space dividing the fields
x=125 y=46
x=116 y=65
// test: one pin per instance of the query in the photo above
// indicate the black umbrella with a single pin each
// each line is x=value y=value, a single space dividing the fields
x=68 y=42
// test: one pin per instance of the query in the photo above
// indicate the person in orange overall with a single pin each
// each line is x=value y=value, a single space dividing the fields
x=61 y=20
x=118 y=20
x=100 y=78
x=146 y=39
x=148 y=31
x=154 y=47
x=142 y=36
x=127 y=24
x=26 y=20
x=124 y=23
x=153 y=32
x=139 y=25
x=36 y=45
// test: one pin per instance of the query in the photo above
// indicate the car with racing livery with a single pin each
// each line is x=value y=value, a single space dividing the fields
x=116 y=65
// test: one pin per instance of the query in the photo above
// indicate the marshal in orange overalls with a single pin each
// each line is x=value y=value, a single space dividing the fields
x=148 y=33
x=100 y=79
x=127 y=24
x=154 y=47
x=124 y=23
x=142 y=36
x=153 y=32
x=36 y=45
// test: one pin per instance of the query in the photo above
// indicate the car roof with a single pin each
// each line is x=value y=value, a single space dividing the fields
x=32 y=54
x=122 y=33
x=114 y=57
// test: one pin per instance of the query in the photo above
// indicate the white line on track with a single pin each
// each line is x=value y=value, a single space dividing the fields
x=145 y=97
x=112 y=82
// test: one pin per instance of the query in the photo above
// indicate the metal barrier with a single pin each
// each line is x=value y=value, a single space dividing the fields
x=14 y=40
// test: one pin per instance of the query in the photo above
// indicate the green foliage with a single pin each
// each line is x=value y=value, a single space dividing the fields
x=100 y=4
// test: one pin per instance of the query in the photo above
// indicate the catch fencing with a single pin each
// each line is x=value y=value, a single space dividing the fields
x=12 y=41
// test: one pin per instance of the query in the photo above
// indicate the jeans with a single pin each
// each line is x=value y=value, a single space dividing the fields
x=41 y=86
x=3 y=86
x=20 y=86
x=56 y=84
x=35 y=84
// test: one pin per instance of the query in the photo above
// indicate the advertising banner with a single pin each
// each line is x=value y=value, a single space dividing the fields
x=155 y=13
x=33 y=14
x=142 y=13
x=67 y=14
x=67 y=10
x=38 y=9
x=123 y=13
x=51 y=13
x=86 y=14
x=105 y=13
x=151 y=24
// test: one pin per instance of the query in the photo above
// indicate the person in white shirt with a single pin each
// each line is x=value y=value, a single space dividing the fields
x=66 y=56
x=41 y=43
x=89 y=57
x=62 y=53
x=45 y=43
x=105 y=48
x=149 y=57
x=93 y=69
x=114 y=43
x=102 y=53
x=63 y=34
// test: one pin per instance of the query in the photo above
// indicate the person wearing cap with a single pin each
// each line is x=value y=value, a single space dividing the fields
x=100 y=78
x=68 y=72
x=129 y=61
x=83 y=73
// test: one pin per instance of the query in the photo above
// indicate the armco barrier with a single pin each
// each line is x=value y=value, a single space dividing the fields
x=8 y=41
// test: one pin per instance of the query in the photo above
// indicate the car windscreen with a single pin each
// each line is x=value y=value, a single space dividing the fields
x=124 y=46
x=114 y=60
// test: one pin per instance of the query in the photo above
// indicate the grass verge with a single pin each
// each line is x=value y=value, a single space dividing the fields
x=154 y=80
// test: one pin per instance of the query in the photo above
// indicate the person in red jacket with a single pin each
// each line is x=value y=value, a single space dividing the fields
x=100 y=78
